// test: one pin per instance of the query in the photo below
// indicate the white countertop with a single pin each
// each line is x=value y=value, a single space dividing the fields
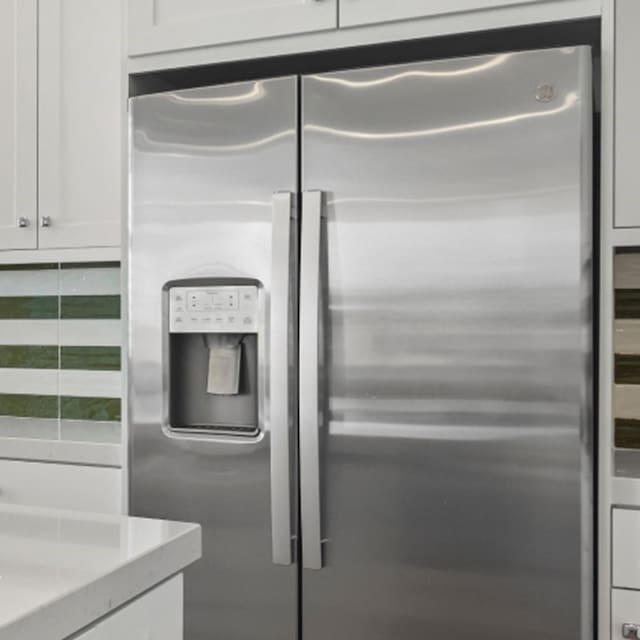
x=62 y=570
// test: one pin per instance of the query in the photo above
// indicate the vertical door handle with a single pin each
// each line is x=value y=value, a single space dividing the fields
x=310 y=379
x=281 y=415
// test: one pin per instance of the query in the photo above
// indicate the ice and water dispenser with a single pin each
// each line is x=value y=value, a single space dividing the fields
x=213 y=358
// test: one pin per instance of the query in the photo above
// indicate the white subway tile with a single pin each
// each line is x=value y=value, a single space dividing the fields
x=35 y=332
x=90 y=282
x=88 y=384
x=91 y=333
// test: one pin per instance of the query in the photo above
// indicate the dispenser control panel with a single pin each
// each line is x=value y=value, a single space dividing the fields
x=223 y=309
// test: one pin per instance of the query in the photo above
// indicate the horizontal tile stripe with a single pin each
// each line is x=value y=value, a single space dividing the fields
x=29 y=357
x=29 y=427
x=29 y=267
x=104 y=409
x=627 y=369
x=91 y=431
x=26 y=332
x=91 y=358
x=34 y=307
x=627 y=336
x=94 y=307
x=90 y=282
x=89 y=265
x=102 y=384
x=627 y=433
x=627 y=270
x=29 y=283
x=29 y=381
x=28 y=405
x=626 y=401
x=87 y=333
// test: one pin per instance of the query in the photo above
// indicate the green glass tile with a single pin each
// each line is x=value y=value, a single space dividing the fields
x=29 y=357
x=627 y=369
x=28 y=406
x=91 y=358
x=627 y=433
x=627 y=303
x=28 y=267
x=28 y=307
x=90 y=265
x=90 y=307
x=76 y=408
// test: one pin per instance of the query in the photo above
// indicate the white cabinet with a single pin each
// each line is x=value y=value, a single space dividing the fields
x=626 y=548
x=627 y=104
x=625 y=609
x=166 y=25
x=157 y=615
x=61 y=486
x=81 y=117
x=18 y=144
x=356 y=12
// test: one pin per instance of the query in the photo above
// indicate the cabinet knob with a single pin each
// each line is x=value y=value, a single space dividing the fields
x=22 y=222
x=631 y=630
x=45 y=221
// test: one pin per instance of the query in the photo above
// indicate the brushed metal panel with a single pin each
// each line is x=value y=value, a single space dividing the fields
x=204 y=166
x=456 y=466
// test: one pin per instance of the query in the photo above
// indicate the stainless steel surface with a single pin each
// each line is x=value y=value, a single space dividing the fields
x=204 y=166
x=22 y=222
x=630 y=630
x=282 y=419
x=45 y=221
x=456 y=440
x=310 y=410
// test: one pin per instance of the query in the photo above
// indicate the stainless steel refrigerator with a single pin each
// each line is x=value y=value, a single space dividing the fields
x=360 y=348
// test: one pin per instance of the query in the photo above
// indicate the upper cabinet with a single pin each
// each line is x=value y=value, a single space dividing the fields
x=166 y=25
x=18 y=144
x=357 y=12
x=81 y=113
x=627 y=103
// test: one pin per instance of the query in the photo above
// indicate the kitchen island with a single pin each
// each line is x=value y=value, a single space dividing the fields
x=66 y=574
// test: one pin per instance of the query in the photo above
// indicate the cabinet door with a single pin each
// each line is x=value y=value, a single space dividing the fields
x=627 y=101
x=164 y=25
x=18 y=124
x=625 y=610
x=355 y=12
x=157 y=615
x=81 y=117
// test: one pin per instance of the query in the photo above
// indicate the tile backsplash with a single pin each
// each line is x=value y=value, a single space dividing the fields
x=60 y=351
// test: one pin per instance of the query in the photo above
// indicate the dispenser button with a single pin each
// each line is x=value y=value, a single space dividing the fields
x=247 y=320
x=232 y=320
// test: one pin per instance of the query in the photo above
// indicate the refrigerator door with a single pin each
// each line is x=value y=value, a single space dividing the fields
x=213 y=179
x=450 y=421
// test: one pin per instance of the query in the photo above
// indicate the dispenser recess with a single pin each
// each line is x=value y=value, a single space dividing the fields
x=213 y=359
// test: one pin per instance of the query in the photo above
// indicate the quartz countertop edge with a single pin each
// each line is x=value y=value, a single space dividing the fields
x=72 y=610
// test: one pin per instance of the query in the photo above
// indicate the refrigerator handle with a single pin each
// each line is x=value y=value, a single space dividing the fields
x=280 y=377
x=309 y=367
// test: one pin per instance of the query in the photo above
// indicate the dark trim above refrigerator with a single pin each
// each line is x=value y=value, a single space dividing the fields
x=540 y=36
